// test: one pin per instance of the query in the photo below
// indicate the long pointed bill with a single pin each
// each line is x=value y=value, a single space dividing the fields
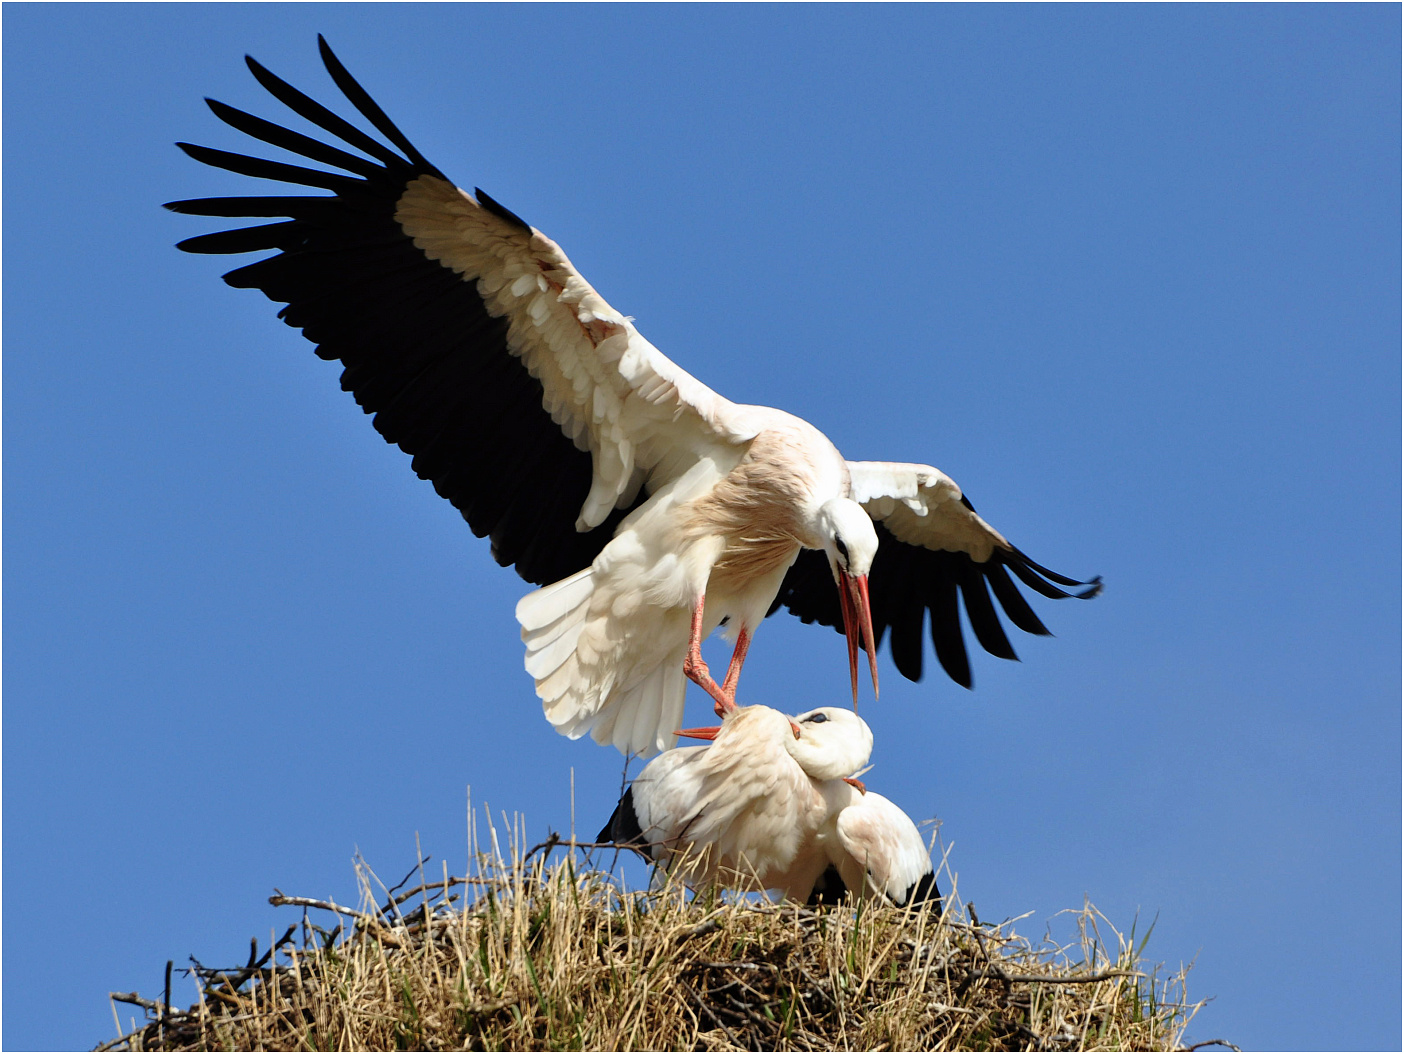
x=699 y=733
x=846 y=603
x=853 y=598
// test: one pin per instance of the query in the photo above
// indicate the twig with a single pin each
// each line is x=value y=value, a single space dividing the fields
x=1032 y=978
x=1213 y=1043
x=409 y=874
x=702 y=929
x=278 y=900
x=424 y=887
x=136 y=1000
x=113 y=1044
x=551 y=842
x=249 y=969
x=166 y=1008
x=739 y=966
x=702 y=1006
x=555 y=841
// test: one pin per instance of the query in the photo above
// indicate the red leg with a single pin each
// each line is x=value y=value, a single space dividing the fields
x=738 y=657
x=696 y=670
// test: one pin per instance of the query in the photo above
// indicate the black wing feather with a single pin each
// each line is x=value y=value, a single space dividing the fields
x=946 y=635
x=420 y=351
x=245 y=239
x=308 y=108
x=623 y=830
x=368 y=107
x=923 y=891
x=1013 y=602
x=905 y=612
x=244 y=207
x=261 y=168
x=980 y=610
x=293 y=142
x=909 y=584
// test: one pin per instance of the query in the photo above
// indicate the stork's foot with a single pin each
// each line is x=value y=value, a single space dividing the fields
x=697 y=672
x=725 y=705
x=696 y=669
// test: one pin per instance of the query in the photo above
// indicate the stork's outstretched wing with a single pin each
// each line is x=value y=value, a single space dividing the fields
x=534 y=407
x=931 y=546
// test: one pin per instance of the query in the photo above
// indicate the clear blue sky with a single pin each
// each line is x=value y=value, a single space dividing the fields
x=1129 y=274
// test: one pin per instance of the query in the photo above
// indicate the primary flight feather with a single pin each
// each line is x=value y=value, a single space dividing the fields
x=648 y=507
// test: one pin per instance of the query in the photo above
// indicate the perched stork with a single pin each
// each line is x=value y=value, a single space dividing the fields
x=649 y=507
x=771 y=805
x=741 y=812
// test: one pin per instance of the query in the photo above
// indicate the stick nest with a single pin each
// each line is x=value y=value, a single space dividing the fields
x=548 y=952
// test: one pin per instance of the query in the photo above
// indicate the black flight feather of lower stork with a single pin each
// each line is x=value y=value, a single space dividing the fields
x=923 y=891
x=910 y=585
x=829 y=889
x=419 y=350
x=623 y=828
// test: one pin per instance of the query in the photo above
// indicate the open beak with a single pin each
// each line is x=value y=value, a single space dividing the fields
x=699 y=733
x=853 y=598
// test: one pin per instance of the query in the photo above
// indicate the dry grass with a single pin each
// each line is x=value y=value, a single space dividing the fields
x=546 y=952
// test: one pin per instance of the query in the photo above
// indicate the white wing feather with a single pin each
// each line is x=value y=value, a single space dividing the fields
x=640 y=415
x=885 y=842
x=921 y=505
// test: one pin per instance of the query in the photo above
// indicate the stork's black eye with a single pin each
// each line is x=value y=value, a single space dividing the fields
x=816 y=719
x=843 y=549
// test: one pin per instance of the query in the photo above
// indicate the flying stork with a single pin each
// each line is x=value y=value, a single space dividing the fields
x=648 y=507
x=771 y=805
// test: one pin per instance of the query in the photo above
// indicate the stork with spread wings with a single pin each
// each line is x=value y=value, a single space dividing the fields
x=649 y=508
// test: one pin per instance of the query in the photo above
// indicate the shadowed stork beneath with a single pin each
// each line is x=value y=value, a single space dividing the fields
x=771 y=805
x=649 y=507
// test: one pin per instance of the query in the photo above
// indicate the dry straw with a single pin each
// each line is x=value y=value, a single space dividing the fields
x=544 y=950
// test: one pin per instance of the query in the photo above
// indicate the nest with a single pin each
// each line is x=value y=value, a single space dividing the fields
x=545 y=951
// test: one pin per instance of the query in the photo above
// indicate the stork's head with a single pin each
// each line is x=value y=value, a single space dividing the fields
x=851 y=543
x=833 y=743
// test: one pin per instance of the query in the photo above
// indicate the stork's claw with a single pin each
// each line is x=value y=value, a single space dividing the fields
x=725 y=705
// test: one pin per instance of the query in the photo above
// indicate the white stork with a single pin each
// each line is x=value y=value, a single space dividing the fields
x=770 y=805
x=649 y=507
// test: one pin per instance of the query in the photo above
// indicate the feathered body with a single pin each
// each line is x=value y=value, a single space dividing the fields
x=762 y=808
x=735 y=813
x=607 y=646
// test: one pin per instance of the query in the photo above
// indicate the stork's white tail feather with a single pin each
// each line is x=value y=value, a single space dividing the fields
x=647 y=712
x=585 y=661
x=537 y=611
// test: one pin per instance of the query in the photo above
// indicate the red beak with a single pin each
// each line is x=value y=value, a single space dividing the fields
x=711 y=733
x=853 y=598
